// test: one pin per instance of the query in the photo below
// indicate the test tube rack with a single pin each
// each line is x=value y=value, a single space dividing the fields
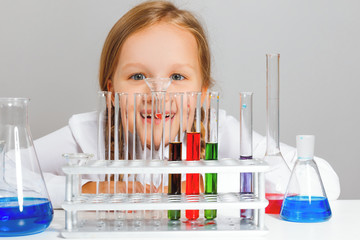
x=75 y=202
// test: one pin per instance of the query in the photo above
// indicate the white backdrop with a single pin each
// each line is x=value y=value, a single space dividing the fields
x=49 y=51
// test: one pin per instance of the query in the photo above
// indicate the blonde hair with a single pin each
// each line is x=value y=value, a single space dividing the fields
x=140 y=17
x=145 y=15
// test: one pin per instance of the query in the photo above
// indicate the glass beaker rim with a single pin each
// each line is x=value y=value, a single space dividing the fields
x=273 y=54
x=14 y=99
x=246 y=93
x=78 y=155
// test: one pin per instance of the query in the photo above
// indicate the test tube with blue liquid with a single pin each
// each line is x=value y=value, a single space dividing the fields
x=305 y=199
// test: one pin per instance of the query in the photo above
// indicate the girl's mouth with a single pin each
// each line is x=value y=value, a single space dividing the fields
x=157 y=116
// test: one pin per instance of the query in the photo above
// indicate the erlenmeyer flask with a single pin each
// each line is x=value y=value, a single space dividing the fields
x=305 y=199
x=25 y=207
x=279 y=173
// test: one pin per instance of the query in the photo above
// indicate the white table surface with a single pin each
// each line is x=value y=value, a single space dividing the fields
x=344 y=224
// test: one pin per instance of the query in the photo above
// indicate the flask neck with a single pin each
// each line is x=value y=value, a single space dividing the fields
x=14 y=111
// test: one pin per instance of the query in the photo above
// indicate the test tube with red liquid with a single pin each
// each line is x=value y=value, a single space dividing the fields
x=193 y=140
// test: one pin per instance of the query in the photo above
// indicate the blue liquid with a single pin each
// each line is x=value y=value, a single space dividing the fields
x=301 y=209
x=35 y=216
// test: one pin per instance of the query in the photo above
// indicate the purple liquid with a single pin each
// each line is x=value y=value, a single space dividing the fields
x=246 y=188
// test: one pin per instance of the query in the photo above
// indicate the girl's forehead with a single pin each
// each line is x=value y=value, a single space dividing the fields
x=161 y=44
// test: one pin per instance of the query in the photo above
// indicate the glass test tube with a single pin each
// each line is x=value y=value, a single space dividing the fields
x=104 y=149
x=121 y=152
x=175 y=147
x=193 y=147
x=138 y=150
x=211 y=144
x=246 y=150
x=158 y=120
x=279 y=170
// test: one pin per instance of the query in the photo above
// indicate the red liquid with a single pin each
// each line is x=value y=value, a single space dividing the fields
x=192 y=180
x=275 y=202
x=193 y=146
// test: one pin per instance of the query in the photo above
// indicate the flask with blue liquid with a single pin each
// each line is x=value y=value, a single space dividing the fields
x=305 y=199
x=25 y=207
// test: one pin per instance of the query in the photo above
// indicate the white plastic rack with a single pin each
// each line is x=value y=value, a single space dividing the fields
x=81 y=210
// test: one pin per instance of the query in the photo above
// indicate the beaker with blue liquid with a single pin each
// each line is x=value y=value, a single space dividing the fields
x=305 y=199
x=25 y=207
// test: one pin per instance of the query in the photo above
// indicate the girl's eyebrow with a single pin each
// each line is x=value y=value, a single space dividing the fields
x=173 y=66
x=136 y=64
x=180 y=65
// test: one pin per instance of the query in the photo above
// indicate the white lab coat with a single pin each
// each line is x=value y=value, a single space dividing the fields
x=81 y=136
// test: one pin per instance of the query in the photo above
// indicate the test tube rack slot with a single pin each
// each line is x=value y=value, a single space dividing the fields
x=229 y=202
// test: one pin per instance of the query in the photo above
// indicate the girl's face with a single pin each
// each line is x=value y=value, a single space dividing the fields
x=159 y=51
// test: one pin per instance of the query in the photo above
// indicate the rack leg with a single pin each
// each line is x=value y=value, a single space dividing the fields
x=261 y=212
x=68 y=189
x=68 y=220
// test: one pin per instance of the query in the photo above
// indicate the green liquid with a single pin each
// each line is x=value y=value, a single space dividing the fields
x=211 y=153
x=174 y=214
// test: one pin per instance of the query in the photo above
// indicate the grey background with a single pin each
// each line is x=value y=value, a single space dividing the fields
x=49 y=51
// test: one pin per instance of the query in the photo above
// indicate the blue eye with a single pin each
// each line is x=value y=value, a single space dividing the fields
x=177 y=77
x=138 y=76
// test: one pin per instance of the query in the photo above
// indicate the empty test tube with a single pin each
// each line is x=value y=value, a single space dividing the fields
x=121 y=136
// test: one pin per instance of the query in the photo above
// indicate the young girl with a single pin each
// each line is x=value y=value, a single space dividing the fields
x=154 y=40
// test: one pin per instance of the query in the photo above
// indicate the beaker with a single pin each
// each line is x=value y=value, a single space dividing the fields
x=211 y=124
x=25 y=207
x=305 y=199
x=278 y=175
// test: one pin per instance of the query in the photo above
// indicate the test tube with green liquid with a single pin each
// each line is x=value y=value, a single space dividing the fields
x=211 y=145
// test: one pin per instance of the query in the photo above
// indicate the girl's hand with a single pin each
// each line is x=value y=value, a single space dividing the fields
x=108 y=187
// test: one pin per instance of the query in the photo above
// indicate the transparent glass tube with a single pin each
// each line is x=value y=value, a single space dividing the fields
x=105 y=118
x=158 y=87
x=279 y=172
x=193 y=148
x=121 y=152
x=139 y=148
x=175 y=147
x=104 y=147
x=246 y=148
x=211 y=124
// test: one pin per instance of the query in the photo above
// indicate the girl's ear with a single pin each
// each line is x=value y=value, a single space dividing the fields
x=109 y=85
x=203 y=94
x=110 y=88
